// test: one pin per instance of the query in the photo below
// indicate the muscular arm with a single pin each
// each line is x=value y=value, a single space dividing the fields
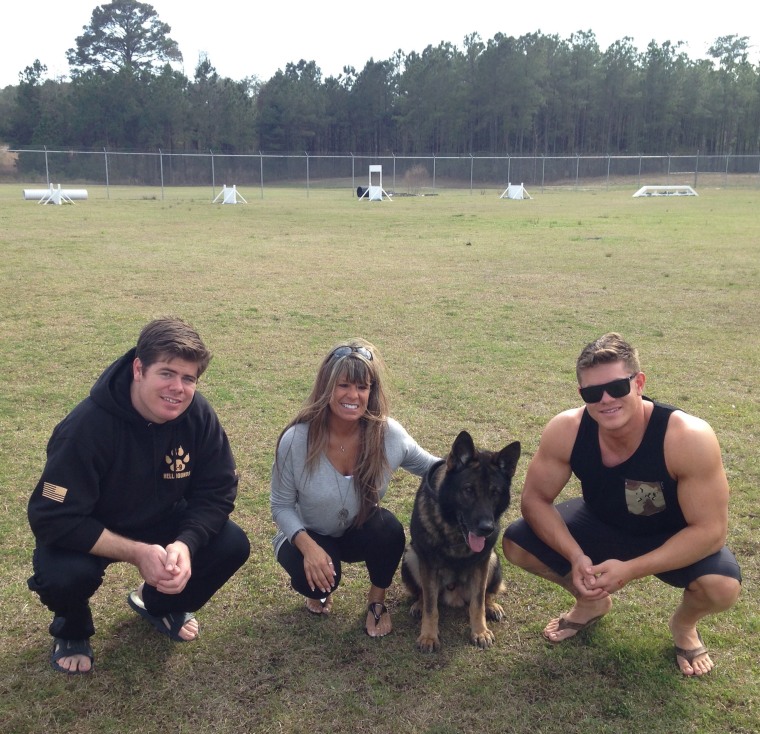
x=547 y=475
x=693 y=457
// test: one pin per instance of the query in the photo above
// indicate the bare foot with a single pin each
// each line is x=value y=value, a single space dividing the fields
x=319 y=606
x=692 y=657
x=582 y=615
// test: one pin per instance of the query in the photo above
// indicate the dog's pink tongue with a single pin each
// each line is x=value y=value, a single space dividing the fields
x=476 y=542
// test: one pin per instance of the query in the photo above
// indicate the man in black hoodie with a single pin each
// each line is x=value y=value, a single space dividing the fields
x=140 y=471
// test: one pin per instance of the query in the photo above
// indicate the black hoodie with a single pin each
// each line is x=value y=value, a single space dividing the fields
x=109 y=468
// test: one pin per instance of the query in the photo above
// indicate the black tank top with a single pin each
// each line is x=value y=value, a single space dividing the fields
x=638 y=496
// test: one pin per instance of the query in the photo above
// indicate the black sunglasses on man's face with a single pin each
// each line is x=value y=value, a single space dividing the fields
x=615 y=389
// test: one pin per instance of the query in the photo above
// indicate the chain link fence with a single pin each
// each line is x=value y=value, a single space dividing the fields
x=401 y=175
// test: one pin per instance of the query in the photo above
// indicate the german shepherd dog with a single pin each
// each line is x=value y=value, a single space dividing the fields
x=454 y=528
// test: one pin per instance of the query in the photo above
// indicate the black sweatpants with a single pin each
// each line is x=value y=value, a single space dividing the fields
x=65 y=580
x=379 y=543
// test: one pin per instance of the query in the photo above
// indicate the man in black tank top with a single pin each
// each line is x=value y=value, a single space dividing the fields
x=655 y=503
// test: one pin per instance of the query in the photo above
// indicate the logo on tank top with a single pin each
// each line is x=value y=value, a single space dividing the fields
x=178 y=461
x=644 y=498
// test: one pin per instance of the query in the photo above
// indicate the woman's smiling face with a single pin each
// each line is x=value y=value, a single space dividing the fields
x=349 y=400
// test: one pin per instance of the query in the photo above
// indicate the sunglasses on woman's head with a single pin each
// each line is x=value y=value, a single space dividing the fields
x=615 y=389
x=346 y=350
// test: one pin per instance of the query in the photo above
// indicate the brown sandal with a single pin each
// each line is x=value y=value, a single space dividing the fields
x=690 y=655
x=566 y=624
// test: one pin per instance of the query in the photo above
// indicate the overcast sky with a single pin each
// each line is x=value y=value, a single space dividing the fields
x=247 y=38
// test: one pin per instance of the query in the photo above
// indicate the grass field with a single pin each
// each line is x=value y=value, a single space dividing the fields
x=480 y=307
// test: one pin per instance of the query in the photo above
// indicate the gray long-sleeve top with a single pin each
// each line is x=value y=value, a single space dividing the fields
x=301 y=500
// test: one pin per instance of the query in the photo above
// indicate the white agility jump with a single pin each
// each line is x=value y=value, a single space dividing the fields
x=666 y=191
x=513 y=191
x=55 y=195
x=375 y=190
x=229 y=195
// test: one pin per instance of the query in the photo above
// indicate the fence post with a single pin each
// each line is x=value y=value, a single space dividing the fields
x=108 y=189
x=728 y=156
x=47 y=170
x=307 y=173
x=261 y=173
x=161 y=167
x=213 y=176
x=696 y=169
x=577 y=168
x=353 y=173
x=472 y=160
x=608 y=171
x=543 y=172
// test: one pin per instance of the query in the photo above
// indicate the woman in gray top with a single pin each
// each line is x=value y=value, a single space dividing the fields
x=333 y=465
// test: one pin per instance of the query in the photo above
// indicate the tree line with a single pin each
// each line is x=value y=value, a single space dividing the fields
x=532 y=95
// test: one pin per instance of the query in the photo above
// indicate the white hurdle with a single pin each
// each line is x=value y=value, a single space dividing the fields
x=375 y=190
x=673 y=190
x=55 y=195
x=513 y=191
x=229 y=195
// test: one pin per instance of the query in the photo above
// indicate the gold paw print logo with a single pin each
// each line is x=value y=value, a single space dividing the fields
x=177 y=460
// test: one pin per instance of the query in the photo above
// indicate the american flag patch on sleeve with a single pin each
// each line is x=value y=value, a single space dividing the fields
x=54 y=492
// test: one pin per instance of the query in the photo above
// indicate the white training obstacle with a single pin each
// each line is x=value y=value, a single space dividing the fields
x=375 y=191
x=55 y=195
x=682 y=190
x=513 y=191
x=229 y=195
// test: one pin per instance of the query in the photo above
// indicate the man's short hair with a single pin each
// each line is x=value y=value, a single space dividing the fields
x=168 y=338
x=605 y=350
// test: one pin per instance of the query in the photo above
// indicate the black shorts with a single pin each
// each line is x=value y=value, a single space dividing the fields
x=601 y=542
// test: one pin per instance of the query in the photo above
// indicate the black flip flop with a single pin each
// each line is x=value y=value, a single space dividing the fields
x=168 y=625
x=372 y=608
x=65 y=649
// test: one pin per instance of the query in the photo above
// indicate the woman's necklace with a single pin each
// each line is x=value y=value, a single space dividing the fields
x=343 y=514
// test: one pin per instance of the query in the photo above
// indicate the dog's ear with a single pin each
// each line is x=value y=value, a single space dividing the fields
x=462 y=451
x=507 y=458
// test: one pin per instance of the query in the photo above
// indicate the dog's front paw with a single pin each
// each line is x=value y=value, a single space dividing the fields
x=416 y=609
x=494 y=612
x=428 y=643
x=484 y=639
